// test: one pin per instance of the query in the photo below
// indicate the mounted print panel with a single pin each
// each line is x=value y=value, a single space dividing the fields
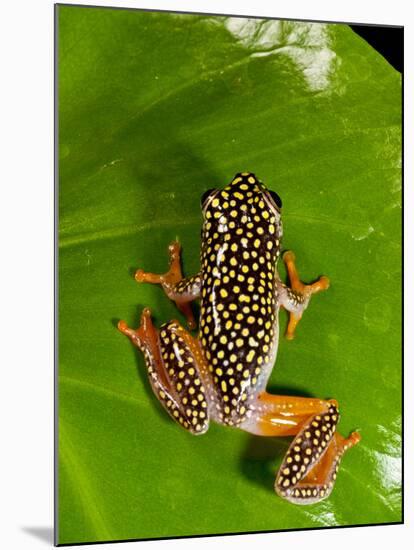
x=229 y=198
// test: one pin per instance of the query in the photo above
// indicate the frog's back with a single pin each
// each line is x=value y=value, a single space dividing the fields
x=238 y=320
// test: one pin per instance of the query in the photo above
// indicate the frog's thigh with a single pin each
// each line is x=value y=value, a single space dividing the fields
x=282 y=415
x=172 y=361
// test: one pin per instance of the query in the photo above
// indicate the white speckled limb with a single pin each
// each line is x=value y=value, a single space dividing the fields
x=172 y=359
x=308 y=472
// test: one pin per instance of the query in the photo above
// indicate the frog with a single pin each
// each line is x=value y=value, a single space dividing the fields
x=221 y=373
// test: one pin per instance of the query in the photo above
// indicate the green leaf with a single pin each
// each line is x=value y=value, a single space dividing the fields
x=154 y=109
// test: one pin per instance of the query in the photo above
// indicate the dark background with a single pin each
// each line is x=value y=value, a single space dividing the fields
x=388 y=41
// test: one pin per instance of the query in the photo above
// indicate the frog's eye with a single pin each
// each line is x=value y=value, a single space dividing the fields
x=206 y=196
x=276 y=199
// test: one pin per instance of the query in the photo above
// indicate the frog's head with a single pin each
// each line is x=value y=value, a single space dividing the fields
x=245 y=198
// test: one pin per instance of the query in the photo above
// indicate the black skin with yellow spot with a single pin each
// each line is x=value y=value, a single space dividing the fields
x=240 y=246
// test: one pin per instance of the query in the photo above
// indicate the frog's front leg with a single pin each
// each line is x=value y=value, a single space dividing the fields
x=296 y=298
x=179 y=289
x=308 y=471
x=173 y=360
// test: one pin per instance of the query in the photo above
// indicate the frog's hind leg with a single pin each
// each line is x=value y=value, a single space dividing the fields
x=172 y=359
x=179 y=289
x=318 y=482
x=295 y=299
x=308 y=471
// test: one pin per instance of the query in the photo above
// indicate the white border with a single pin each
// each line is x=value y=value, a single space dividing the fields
x=26 y=267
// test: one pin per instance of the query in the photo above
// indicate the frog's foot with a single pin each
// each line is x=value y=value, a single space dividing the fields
x=145 y=336
x=179 y=289
x=295 y=299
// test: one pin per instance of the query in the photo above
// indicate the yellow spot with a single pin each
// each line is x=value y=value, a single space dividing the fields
x=223 y=385
x=250 y=355
x=223 y=293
